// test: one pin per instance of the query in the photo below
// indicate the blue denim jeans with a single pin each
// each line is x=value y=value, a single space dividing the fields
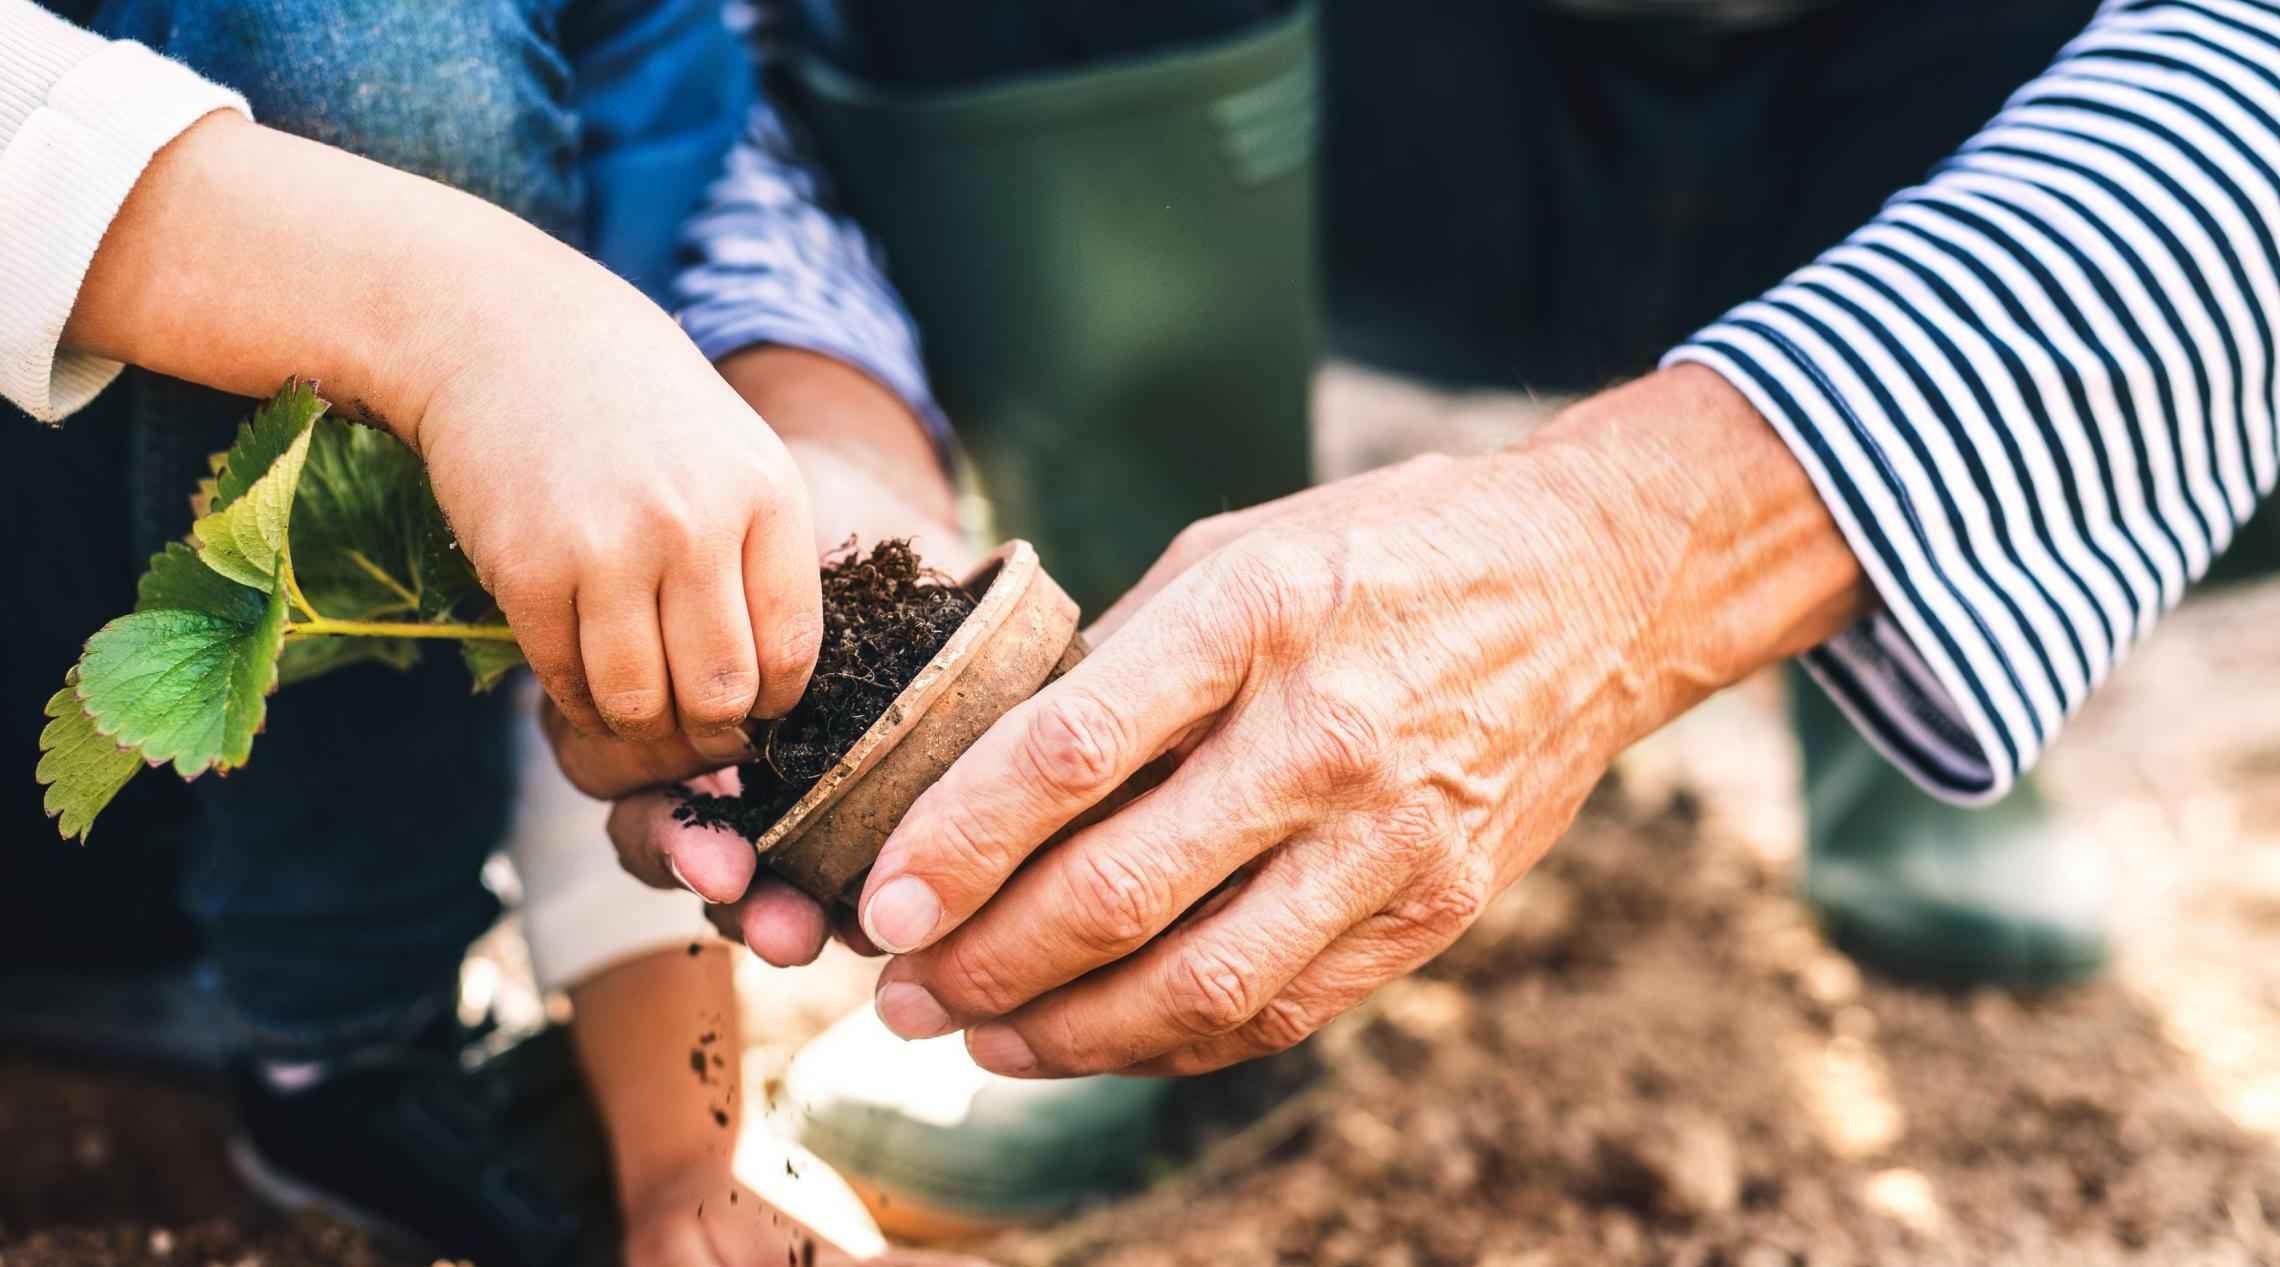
x=334 y=884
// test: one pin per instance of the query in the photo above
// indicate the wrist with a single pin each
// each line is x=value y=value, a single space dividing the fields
x=1725 y=557
x=517 y=298
x=821 y=406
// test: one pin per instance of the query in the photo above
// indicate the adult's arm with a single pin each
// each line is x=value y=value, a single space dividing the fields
x=2038 y=391
x=2010 y=420
x=774 y=261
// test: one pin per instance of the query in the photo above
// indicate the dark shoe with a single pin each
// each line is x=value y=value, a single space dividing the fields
x=1918 y=888
x=440 y=1152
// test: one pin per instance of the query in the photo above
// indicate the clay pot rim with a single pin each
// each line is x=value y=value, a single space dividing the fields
x=1003 y=578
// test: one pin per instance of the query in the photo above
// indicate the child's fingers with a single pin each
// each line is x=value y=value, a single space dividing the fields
x=708 y=648
x=624 y=655
x=784 y=592
x=545 y=620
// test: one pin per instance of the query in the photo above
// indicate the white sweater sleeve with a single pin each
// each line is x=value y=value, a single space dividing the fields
x=581 y=912
x=80 y=117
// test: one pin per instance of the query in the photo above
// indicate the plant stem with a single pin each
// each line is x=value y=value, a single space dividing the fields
x=323 y=627
x=380 y=574
x=293 y=586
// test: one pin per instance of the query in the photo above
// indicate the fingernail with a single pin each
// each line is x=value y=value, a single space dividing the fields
x=911 y=1012
x=673 y=865
x=902 y=915
x=997 y=1048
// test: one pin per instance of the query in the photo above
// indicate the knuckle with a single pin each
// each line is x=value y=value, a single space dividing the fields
x=1210 y=993
x=958 y=852
x=793 y=641
x=634 y=710
x=1282 y=1024
x=1428 y=919
x=567 y=688
x=1412 y=827
x=1204 y=535
x=1064 y=1045
x=672 y=522
x=1342 y=734
x=974 y=986
x=1073 y=744
x=1279 y=599
x=1118 y=904
x=721 y=697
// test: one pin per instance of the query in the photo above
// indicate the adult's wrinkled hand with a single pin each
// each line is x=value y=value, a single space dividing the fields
x=1386 y=698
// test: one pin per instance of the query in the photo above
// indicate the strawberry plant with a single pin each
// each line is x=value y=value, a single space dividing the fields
x=317 y=543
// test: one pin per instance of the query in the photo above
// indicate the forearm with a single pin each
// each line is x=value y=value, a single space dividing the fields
x=245 y=255
x=657 y=1037
x=814 y=401
x=1724 y=557
x=2038 y=388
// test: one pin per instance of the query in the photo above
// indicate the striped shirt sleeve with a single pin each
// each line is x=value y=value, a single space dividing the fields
x=2037 y=392
x=772 y=260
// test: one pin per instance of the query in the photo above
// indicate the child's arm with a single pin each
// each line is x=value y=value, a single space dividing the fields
x=657 y=1036
x=643 y=530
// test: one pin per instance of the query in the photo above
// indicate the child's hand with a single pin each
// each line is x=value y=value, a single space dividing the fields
x=645 y=533
x=876 y=475
x=642 y=529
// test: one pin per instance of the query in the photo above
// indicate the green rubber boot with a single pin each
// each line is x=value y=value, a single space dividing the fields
x=1918 y=888
x=941 y=1149
x=1114 y=273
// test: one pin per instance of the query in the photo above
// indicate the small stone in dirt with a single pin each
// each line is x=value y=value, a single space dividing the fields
x=720 y=1118
x=1683 y=1165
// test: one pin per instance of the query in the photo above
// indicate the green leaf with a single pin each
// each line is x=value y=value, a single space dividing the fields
x=178 y=579
x=305 y=658
x=487 y=662
x=357 y=524
x=81 y=767
x=447 y=576
x=186 y=677
x=249 y=501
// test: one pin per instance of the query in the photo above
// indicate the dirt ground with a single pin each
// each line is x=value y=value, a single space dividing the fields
x=1643 y=1054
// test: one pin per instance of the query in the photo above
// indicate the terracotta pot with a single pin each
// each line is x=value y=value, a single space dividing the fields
x=1021 y=635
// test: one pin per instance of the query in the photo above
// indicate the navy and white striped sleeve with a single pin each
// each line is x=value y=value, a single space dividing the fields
x=2038 y=391
x=770 y=259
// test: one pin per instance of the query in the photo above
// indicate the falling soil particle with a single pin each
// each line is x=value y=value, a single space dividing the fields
x=884 y=616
